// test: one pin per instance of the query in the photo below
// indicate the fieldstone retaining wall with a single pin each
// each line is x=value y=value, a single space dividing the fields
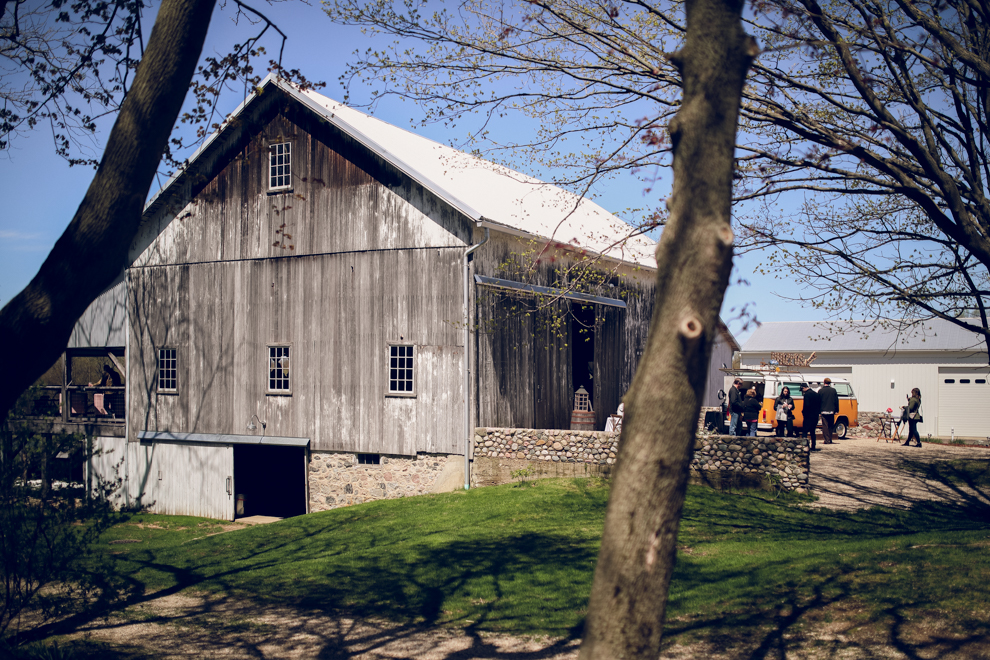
x=547 y=445
x=870 y=424
x=336 y=479
x=725 y=460
x=718 y=460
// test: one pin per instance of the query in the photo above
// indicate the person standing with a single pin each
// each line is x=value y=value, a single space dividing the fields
x=110 y=378
x=812 y=407
x=830 y=406
x=735 y=406
x=751 y=411
x=913 y=417
x=783 y=407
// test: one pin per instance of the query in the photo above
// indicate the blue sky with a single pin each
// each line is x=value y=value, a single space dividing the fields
x=41 y=192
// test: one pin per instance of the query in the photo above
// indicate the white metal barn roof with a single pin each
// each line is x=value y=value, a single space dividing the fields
x=806 y=336
x=490 y=194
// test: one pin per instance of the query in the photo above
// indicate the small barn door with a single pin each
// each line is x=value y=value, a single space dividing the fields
x=193 y=480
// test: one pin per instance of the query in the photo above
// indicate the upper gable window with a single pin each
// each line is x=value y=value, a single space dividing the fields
x=280 y=166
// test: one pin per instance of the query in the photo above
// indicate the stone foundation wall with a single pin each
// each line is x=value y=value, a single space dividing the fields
x=718 y=460
x=336 y=479
x=551 y=445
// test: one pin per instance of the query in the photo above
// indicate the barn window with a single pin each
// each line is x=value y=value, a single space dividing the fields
x=369 y=459
x=400 y=370
x=278 y=369
x=950 y=381
x=280 y=166
x=964 y=381
x=168 y=373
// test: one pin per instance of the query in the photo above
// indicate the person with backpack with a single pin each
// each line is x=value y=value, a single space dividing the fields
x=751 y=411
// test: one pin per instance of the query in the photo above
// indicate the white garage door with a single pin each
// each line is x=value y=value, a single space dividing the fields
x=963 y=398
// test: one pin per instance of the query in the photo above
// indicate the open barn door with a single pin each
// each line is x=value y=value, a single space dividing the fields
x=270 y=480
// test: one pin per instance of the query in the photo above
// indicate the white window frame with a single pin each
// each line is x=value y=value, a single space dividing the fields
x=164 y=371
x=279 y=166
x=403 y=380
x=283 y=371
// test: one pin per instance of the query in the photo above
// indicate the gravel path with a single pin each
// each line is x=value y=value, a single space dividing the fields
x=860 y=472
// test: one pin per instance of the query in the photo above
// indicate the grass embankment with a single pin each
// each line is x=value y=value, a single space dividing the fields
x=521 y=559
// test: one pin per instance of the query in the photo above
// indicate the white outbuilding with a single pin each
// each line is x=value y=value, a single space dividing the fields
x=947 y=363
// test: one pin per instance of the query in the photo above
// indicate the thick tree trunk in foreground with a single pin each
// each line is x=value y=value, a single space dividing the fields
x=35 y=325
x=694 y=259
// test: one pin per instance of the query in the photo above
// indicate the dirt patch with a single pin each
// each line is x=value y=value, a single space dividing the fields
x=198 y=626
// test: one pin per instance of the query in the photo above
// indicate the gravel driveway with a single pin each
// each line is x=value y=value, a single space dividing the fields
x=861 y=472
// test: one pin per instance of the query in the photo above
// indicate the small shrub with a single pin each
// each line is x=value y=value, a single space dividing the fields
x=48 y=526
x=522 y=474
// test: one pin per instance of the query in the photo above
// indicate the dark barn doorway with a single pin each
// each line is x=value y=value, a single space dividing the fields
x=272 y=479
x=583 y=349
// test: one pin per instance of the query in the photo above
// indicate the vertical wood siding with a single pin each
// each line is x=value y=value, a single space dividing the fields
x=343 y=199
x=337 y=313
x=609 y=378
x=524 y=374
x=355 y=256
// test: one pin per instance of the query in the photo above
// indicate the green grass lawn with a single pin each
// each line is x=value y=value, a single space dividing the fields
x=520 y=559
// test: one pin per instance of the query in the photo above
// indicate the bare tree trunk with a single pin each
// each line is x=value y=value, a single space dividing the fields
x=694 y=259
x=35 y=325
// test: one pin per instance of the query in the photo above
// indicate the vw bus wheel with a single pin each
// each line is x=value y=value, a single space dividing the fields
x=841 y=429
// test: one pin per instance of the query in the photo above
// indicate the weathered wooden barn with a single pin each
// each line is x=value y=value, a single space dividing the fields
x=298 y=301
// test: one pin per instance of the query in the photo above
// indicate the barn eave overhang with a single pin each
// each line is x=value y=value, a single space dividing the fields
x=221 y=438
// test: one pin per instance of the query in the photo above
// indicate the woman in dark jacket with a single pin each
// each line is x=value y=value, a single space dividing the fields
x=751 y=410
x=783 y=407
x=914 y=416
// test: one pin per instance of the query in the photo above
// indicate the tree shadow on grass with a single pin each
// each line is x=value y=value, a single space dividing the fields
x=372 y=602
x=467 y=585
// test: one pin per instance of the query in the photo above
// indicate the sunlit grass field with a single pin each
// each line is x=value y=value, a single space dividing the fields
x=520 y=558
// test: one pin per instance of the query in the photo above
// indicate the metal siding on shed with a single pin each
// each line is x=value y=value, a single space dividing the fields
x=107 y=464
x=193 y=480
x=836 y=336
x=722 y=351
x=962 y=407
x=872 y=384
